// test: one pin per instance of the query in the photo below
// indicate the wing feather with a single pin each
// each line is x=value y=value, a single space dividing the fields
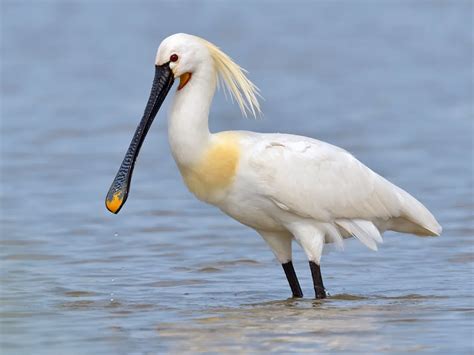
x=315 y=179
x=363 y=230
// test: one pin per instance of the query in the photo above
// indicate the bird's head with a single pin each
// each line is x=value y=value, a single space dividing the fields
x=185 y=57
x=184 y=54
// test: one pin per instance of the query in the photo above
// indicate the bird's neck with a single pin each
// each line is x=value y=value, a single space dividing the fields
x=188 y=127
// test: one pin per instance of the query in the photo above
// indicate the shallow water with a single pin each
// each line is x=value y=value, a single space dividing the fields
x=392 y=83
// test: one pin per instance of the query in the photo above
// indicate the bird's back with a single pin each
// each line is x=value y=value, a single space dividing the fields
x=316 y=180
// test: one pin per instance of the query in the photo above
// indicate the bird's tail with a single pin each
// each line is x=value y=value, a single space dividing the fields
x=415 y=218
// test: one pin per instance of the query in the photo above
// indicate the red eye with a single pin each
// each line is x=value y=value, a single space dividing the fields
x=174 y=58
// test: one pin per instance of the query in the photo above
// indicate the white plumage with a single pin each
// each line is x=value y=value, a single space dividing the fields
x=293 y=183
x=284 y=186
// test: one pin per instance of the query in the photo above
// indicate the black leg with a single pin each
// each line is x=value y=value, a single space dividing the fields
x=292 y=279
x=319 y=290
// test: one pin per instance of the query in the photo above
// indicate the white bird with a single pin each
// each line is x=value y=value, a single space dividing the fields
x=283 y=186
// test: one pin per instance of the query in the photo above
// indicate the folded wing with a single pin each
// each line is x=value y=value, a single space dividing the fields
x=317 y=180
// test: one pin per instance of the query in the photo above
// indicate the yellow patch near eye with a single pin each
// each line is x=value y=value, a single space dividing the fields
x=216 y=169
x=114 y=204
x=183 y=80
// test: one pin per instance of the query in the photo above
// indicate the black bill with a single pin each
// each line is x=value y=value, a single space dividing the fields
x=118 y=191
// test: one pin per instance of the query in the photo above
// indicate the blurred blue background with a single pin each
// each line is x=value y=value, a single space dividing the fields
x=390 y=81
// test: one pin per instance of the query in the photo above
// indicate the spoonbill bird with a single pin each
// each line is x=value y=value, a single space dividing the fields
x=284 y=186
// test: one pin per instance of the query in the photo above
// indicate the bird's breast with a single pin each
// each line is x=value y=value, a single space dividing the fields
x=213 y=173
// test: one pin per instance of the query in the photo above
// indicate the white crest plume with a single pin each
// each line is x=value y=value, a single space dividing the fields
x=233 y=77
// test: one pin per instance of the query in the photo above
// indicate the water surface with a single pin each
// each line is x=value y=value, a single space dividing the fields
x=391 y=82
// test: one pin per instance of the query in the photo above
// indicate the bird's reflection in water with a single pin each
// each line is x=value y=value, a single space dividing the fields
x=342 y=322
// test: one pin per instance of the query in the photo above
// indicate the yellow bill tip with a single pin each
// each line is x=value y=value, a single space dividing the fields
x=114 y=204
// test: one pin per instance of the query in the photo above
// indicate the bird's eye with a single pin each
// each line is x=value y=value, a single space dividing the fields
x=174 y=58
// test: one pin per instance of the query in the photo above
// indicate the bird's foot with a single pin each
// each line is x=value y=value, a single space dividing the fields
x=297 y=295
x=319 y=293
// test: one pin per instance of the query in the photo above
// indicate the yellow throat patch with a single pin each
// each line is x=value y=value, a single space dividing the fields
x=216 y=169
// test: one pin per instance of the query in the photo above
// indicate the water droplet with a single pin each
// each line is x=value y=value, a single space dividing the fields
x=116 y=234
x=111 y=300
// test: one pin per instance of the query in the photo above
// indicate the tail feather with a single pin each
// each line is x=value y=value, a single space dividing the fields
x=415 y=218
x=363 y=230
